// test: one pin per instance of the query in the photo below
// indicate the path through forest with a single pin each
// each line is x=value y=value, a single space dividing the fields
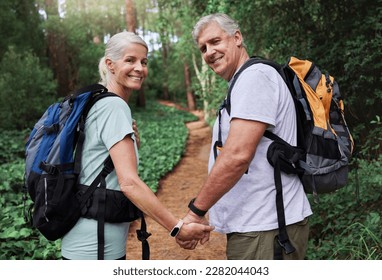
x=175 y=190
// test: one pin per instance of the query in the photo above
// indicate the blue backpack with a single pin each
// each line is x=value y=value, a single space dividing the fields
x=52 y=167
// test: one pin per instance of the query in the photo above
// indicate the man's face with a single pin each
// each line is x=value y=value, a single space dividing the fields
x=220 y=50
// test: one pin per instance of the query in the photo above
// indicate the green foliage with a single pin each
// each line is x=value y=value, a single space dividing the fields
x=26 y=89
x=342 y=37
x=163 y=138
x=213 y=95
x=84 y=44
x=347 y=224
x=20 y=26
x=12 y=144
x=372 y=146
x=18 y=241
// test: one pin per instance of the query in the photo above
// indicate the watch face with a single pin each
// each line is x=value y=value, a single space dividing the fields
x=175 y=231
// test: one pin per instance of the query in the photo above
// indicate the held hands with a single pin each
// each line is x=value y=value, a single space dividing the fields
x=193 y=223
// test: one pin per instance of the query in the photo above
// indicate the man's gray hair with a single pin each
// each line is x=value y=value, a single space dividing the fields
x=227 y=24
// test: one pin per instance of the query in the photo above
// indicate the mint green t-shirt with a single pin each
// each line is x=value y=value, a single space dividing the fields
x=108 y=122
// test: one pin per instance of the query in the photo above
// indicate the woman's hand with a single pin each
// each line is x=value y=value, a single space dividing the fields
x=190 y=234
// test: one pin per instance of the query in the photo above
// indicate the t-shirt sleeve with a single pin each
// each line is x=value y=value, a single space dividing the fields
x=116 y=121
x=255 y=95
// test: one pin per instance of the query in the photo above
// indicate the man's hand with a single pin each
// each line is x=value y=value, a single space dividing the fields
x=191 y=244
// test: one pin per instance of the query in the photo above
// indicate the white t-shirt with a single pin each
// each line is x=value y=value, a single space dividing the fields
x=259 y=94
x=108 y=122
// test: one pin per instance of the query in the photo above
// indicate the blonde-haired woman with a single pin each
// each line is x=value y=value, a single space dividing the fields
x=109 y=130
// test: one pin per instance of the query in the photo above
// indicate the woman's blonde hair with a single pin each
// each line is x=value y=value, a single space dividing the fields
x=115 y=48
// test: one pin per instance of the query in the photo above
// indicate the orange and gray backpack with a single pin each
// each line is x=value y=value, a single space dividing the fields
x=324 y=143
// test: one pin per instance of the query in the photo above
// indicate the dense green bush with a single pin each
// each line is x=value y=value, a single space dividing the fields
x=26 y=89
x=347 y=224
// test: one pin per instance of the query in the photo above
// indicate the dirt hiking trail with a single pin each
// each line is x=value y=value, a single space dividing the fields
x=175 y=191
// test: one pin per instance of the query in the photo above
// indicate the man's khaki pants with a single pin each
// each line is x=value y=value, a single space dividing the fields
x=260 y=245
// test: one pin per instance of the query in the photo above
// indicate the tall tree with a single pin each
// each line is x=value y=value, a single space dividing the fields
x=57 y=49
x=131 y=24
x=189 y=93
x=131 y=18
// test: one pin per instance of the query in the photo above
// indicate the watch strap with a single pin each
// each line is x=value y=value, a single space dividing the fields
x=196 y=210
x=176 y=229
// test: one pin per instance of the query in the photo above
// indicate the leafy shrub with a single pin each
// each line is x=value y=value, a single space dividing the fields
x=349 y=220
x=26 y=89
x=12 y=144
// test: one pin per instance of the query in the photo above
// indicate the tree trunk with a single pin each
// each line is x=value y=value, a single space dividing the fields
x=205 y=83
x=131 y=24
x=165 y=91
x=131 y=19
x=189 y=93
x=58 y=55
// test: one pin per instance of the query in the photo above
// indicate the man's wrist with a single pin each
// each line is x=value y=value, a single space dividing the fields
x=196 y=210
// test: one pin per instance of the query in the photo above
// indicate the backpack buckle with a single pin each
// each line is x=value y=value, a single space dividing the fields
x=142 y=235
x=48 y=168
x=286 y=245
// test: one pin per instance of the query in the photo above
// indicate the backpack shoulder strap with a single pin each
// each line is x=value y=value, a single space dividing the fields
x=97 y=95
x=93 y=88
x=251 y=61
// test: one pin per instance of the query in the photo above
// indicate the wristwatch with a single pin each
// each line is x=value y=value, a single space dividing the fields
x=196 y=210
x=175 y=231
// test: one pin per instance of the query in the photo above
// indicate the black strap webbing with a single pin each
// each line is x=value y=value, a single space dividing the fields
x=100 y=180
x=142 y=236
x=282 y=237
x=283 y=157
x=101 y=219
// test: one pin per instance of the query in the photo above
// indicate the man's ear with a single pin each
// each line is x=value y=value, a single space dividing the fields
x=238 y=38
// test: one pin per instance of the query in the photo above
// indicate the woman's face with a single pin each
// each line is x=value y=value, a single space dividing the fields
x=131 y=70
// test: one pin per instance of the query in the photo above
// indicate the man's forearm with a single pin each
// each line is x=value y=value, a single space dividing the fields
x=226 y=172
x=232 y=162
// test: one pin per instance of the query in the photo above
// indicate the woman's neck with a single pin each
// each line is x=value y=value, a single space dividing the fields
x=122 y=92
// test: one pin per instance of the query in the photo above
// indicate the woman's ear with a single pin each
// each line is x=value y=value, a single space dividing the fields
x=110 y=65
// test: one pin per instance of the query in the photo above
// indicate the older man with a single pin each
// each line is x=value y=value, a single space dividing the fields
x=240 y=192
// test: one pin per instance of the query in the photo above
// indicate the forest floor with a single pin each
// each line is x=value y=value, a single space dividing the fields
x=175 y=191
